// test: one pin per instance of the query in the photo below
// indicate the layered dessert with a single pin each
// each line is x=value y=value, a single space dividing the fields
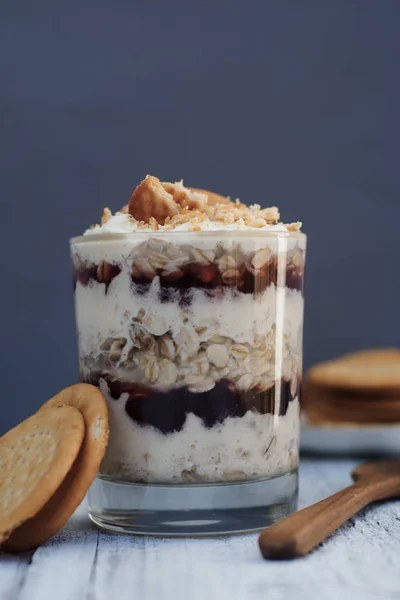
x=189 y=310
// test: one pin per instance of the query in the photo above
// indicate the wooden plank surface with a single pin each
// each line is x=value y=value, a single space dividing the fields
x=361 y=561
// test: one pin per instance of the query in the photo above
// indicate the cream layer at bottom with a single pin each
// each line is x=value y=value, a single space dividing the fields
x=255 y=446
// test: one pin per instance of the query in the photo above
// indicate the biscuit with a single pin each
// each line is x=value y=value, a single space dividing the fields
x=150 y=199
x=213 y=198
x=323 y=406
x=368 y=370
x=35 y=458
x=89 y=401
x=187 y=198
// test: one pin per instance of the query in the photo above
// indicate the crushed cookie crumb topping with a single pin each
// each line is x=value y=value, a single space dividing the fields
x=156 y=205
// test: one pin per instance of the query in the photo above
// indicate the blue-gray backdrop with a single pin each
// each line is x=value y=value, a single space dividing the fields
x=294 y=103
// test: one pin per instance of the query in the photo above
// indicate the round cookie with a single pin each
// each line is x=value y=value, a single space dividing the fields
x=35 y=457
x=373 y=355
x=89 y=401
x=368 y=370
x=338 y=407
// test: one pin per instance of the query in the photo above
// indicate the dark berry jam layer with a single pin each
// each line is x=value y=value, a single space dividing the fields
x=167 y=411
x=105 y=272
x=243 y=278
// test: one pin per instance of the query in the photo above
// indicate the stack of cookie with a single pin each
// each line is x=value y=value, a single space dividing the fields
x=47 y=464
x=361 y=388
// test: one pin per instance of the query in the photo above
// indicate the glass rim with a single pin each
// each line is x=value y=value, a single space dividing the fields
x=218 y=233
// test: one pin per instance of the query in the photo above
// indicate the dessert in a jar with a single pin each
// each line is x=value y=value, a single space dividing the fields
x=189 y=311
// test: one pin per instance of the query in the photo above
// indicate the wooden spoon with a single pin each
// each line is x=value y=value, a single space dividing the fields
x=301 y=532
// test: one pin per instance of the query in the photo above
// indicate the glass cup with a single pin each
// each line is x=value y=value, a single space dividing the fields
x=195 y=340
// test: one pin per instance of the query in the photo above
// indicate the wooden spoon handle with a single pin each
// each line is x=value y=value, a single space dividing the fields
x=301 y=532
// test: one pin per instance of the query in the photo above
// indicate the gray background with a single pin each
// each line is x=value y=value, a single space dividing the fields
x=293 y=103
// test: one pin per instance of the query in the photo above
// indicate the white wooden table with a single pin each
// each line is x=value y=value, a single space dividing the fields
x=361 y=561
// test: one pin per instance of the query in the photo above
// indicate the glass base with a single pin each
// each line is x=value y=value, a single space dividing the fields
x=191 y=510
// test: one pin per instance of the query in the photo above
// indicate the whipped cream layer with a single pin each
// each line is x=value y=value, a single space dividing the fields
x=124 y=223
x=255 y=446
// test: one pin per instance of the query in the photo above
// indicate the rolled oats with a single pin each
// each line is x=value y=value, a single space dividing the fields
x=155 y=324
x=213 y=373
x=144 y=268
x=158 y=245
x=239 y=351
x=140 y=337
x=258 y=365
x=152 y=370
x=217 y=339
x=201 y=365
x=192 y=379
x=203 y=257
x=224 y=372
x=226 y=262
x=157 y=260
x=218 y=355
x=187 y=342
x=235 y=374
x=259 y=341
x=262 y=258
x=167 y=348
x=245 y=382
x=233 y=364
x=178 y=261
x=168 y=373
x=204 y=386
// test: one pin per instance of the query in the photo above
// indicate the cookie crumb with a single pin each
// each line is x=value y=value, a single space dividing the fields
x=156 y=205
